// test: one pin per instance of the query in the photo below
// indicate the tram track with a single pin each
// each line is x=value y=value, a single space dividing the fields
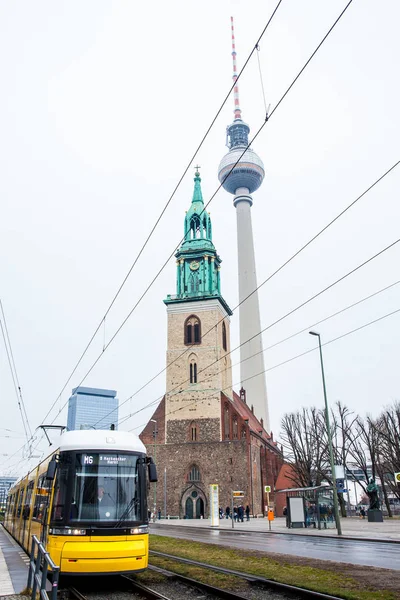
x=176 y=587
x=281 y=590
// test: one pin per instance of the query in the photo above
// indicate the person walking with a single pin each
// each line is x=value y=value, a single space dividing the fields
x=227 y=512
x=247 y=511
x=240 y=513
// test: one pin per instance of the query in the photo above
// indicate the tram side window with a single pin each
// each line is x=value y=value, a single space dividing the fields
x=28 y=499
x=9 y=504
x=41 y=499
x=60 y=494
x=21 y=495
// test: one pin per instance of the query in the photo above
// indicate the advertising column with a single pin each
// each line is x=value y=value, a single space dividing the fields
x=214 y=505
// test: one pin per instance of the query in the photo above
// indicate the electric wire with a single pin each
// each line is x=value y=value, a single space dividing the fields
x=14 y=374
x=273 y=274
x=210 y=200
x=289 y=313
x=267 y=119
x=162 y=213
x=385 y=316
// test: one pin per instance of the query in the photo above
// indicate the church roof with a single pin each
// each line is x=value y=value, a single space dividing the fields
x=245 y=412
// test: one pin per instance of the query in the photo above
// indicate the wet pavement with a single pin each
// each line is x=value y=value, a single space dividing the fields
x=359 y=552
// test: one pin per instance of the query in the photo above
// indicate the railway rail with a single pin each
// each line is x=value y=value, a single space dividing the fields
x=130 y=586
x=177 y=586
x=286 y=590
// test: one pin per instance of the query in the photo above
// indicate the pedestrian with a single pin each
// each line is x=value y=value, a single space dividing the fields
x=227 y=511
x=159 y=514
x=235 y=514
x=247 y=511
x=240 y=513
x=362 y=512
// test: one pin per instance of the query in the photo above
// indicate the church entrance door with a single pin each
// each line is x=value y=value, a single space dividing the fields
x=189 y=508
x=199 y=508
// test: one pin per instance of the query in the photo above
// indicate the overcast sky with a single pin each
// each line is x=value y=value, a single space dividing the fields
x=102 y=105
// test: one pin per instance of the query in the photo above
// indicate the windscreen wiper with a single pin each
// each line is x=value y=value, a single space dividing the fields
x=124 y=517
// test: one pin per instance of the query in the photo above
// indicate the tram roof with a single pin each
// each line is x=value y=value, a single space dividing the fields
x=101 y=439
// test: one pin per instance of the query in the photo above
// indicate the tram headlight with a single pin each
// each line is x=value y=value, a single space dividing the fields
x=140 y=530
x=66 y=531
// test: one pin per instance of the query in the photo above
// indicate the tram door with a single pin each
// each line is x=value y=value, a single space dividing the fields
x=189 y=508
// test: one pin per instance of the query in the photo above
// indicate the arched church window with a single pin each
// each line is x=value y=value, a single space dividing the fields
x=192 y=330
x=193 y=372
x=194 y=474
x=195 y=227
x=226 y=422
x=193 y=432
x=224 y=336
x=243 y=433
x=235 y=427
x=205 y=226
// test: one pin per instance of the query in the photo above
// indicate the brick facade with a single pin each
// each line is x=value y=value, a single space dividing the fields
x=205 y=432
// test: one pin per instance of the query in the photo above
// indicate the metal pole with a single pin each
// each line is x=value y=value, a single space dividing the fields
x=328 y=429
x=165 y=492
x=155 y=483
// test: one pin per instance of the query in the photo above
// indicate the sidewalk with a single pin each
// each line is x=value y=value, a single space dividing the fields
x=352 y=527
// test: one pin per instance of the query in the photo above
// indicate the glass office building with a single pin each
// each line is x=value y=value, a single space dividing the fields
x=92 y=408
x=5 y=484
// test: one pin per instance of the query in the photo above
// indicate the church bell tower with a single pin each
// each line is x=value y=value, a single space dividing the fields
x=198 y=364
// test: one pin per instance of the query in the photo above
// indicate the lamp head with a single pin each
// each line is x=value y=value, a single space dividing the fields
x=314 y=333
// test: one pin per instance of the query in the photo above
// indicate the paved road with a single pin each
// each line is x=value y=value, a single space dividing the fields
x=375 y=554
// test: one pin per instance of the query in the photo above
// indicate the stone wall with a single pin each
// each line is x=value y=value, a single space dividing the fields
x=179 y=432
x=224 y=463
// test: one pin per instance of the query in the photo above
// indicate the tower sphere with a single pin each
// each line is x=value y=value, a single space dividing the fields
x=248 y=173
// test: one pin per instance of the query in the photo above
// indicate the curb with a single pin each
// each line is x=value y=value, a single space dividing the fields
x=299 y=535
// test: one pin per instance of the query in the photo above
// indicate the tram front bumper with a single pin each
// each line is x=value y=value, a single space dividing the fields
x=100 y=556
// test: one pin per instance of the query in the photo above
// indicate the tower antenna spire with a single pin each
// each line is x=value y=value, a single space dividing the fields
x=237 y=110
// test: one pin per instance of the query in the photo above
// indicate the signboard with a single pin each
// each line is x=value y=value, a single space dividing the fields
x=340 y=486
x=114 y=460
x=267 y=489
x=238 y=494
x=339 y=472
x=397 y=477
x=214 y=505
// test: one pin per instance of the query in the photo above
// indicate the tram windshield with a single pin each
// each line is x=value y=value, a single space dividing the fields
x=99 y=487
x=106 y=488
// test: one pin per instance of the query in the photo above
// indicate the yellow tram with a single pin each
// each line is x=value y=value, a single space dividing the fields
x=88 y=503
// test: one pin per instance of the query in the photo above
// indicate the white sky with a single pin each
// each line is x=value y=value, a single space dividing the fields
x=102 y=105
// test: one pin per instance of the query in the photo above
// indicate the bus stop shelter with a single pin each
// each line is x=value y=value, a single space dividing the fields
x=311 y=507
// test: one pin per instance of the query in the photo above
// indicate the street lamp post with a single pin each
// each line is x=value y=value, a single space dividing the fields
x=155 y=483
x=328 y=430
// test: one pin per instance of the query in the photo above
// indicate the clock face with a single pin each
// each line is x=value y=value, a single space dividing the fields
x=194 y=265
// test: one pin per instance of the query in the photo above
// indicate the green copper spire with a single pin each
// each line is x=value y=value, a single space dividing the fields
x=197 y=195
x=198 y=264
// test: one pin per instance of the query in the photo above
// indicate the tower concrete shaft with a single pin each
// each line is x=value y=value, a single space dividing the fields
x=251 y=356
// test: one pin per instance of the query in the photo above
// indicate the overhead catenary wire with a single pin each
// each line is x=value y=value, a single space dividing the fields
x=160 y=216
x=14 y=373
x=273 y=274
x=284 y=362
x=210 y=200
x=212 y=197
x=287 y=314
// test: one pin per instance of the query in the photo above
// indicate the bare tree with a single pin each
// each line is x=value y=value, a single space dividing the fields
x=304 y=437
x=388 y=449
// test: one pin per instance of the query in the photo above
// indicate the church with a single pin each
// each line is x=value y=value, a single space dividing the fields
x=203 y=432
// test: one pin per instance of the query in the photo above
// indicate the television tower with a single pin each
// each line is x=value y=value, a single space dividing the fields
x=245 y=178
